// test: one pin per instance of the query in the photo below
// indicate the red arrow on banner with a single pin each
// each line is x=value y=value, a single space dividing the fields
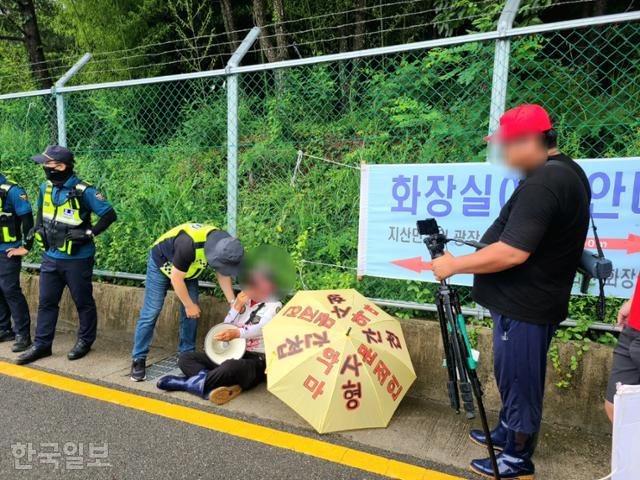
x=415 y=264
x=631 y=244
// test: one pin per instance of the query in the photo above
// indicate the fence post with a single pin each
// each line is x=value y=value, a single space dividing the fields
x=501 y=71
x=62 y=127
x=232 y=129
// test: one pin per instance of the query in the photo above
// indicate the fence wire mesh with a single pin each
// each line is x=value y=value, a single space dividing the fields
x=159 y=150
x=158 y=153
x=589 y=80
x=302 y=128
x=26 y=124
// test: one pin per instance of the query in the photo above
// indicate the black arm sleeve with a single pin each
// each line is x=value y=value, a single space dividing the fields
x=27 y=226
x=104 y=222
x=38 y=219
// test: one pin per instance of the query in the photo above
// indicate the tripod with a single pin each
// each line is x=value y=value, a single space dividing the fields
x=463 y=380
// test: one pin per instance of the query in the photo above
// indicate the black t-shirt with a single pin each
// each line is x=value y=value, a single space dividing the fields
x=180 y=250
x=547 y=216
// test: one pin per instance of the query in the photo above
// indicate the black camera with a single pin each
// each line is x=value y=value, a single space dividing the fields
x=428 y=226
x=434 y=238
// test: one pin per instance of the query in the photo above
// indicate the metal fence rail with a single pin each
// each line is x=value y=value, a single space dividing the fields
x=265 y=149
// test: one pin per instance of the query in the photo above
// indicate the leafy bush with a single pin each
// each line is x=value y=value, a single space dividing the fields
x=158 y=151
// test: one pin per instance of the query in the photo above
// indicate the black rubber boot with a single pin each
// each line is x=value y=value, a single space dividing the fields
x=175 y=383
x=514 y=462
x=498 y=435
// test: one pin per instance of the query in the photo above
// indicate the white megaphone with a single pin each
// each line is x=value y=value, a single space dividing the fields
x=219 y=351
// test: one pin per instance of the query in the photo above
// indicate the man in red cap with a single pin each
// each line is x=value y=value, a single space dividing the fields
x=524 y=277
x=626 y=356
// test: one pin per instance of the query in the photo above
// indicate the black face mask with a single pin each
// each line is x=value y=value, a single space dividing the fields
x=57 y=177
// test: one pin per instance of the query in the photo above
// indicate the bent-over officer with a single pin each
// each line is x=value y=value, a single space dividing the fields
x=16 y=238
x=177 y=259
x=64 y=230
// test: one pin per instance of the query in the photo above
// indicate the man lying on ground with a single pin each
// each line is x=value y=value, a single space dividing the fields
x=253 y=308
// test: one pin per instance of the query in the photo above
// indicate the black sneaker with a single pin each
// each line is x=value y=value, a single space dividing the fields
x=6 y=336
x=22 y=343
x=138 y=370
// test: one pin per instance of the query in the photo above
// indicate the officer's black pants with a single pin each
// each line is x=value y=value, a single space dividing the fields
x=246 y=372
x=12 y=301
x=54 y=276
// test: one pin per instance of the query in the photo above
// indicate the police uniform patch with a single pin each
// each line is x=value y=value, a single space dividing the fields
x=24 y=197
x=99 y=196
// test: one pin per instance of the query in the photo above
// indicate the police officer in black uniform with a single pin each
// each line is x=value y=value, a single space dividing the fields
x=65 y=232
x=16 y=238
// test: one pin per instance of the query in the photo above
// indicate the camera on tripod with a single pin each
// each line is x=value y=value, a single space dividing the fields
x=463 y=383
x=434 y=237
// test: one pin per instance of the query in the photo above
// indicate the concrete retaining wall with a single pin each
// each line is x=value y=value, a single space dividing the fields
x=118 y=309
x=577 y=406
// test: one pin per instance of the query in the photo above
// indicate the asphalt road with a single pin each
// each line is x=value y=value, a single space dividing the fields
x=140 y=445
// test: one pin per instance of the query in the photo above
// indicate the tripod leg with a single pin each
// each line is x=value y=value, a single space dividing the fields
x=452 y=384
x=470 y=366
x=477 y=390
x=466 y=392
x=460 y=359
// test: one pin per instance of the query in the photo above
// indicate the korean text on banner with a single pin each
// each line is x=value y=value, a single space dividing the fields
x=465 y=198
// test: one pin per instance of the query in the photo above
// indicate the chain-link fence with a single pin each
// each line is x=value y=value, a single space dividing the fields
x=588 y=79
x=158 y=153
x=159 y=149
x=426 y=106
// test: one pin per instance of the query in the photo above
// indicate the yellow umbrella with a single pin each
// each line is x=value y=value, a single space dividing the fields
x=338 y=360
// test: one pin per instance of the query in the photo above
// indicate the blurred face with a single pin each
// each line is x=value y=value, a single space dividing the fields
x=524 y=153
x=53 y=165
x=260 y=287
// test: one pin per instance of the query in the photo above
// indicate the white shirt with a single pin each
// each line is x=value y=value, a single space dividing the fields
x=251 y=321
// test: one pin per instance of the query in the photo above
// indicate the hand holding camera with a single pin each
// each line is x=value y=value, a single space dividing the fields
x=443 y=267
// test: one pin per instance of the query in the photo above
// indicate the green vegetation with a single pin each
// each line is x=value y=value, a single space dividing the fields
x=158 y=151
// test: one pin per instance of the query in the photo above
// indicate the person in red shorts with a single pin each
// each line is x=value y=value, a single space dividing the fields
x=626 y=356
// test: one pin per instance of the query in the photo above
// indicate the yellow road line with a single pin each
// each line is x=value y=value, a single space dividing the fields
x=238 y=428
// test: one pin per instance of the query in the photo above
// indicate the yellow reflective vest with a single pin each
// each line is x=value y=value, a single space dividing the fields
x=198 y=233
x=8 y=232
x=58 y=220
